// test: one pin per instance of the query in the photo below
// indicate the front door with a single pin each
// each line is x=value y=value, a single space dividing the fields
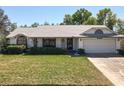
x=70 y=43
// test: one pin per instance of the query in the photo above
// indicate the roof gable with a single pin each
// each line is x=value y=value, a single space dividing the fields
x=104 y=29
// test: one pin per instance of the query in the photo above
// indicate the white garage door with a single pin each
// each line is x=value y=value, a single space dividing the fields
x=99 y=45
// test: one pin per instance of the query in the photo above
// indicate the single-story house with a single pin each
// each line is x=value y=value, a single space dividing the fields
x=92 y=38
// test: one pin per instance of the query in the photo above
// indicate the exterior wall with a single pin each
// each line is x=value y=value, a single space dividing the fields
x=13 y=40
x=80 y=43
x=75 y=43
x=58 y=42
x=39 y=42
x=64 y=43
x=105 y=31
x=29 y=42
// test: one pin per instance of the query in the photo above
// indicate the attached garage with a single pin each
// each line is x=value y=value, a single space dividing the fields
x=94 y=45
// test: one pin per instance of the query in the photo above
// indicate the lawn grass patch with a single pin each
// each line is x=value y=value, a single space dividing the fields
x=49 y=70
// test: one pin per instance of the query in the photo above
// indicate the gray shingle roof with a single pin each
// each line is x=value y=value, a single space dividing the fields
x=54 y=31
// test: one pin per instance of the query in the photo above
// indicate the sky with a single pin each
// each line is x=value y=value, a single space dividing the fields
x=27 y=15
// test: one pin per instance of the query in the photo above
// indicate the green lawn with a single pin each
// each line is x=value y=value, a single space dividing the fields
x=49 y=70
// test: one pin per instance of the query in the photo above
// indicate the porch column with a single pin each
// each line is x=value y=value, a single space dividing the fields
x=58 y=42
x=75 y=43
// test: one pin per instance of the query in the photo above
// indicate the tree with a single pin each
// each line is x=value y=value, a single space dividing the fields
x=120 y=26
x=24 y=26
x=61 y=24
x=111 y=21
x=46 y=23
x=2 y=41
x=13 y=26
x=80 y=16
x=106 y=17
x=52 y=24
x=101 y=16
x=4 y=27
x=35 y=24
x=21 y=25
x=4 y=23
x=67 y=20
x=91 y=21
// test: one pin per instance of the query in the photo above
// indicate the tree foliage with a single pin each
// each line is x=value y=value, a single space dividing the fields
x=91 y=21
x=24 y=26
x=101 y=16
x=5 y=27
x=35 y=24
x=120 y=26
x=13 y=26
x=68 y=20
x=52 y=24
x=111 y=21
x=84 y=17
x=106 y=17
x=81 y=16
x=2 y=40
x=46 y=23
x=4 y=23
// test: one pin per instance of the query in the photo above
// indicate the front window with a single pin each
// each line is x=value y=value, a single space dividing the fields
x=49 y=42
x=21 y=40
x=98 y=32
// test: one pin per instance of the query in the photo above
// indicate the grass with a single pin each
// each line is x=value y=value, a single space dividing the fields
x=49 y=70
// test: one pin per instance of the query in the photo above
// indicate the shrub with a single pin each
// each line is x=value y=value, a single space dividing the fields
x=47 y=50
x=3 y=50
x=81 y=51
x=14 y=49
x=120 y=51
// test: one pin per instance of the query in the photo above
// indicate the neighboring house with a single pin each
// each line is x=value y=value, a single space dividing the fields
x=92 y=38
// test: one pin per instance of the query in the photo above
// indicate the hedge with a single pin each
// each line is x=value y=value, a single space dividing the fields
x=14 y=49
x=120 y=51
x=81 y=51
x=46 y=50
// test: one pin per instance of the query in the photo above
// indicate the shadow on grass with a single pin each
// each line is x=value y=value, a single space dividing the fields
x=26 y=54
x=34 y=54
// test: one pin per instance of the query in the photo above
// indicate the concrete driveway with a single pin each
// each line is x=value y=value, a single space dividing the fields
x=111 y=65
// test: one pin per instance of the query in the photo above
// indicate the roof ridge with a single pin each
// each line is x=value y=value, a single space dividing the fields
x=65 y=25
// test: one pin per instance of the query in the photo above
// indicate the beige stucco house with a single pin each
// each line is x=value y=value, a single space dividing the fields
x=92 y=38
